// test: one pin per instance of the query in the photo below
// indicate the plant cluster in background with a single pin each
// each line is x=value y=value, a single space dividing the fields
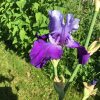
x=21 y=19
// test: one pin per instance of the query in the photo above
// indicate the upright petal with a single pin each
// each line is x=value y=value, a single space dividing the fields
x=56 y=21
x=83 y=55
x=75 y=24
x=69 y=19
x=43 y=51
x=72 y=23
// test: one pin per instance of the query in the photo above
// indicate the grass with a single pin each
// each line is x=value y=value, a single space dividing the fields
x=21 y=80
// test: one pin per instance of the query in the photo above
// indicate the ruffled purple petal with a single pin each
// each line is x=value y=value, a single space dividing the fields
x=70 y=26
x=42 y=51
x=75 y=24
x=69 y=19
x=71 y=43
x=83 y=55
x=72 y=23
x=56 y=21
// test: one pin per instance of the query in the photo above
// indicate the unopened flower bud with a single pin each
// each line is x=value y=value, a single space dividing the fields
x=97 y=5
x=89 y=90
x=94 y=47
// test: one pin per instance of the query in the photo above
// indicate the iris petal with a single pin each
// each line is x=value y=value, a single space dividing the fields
x=75 y=24
x=72 y=23
x=94 y=82
x=83 y=55
x=43 y=51
x=69 y=19
x=71 y=43
x=56 y=21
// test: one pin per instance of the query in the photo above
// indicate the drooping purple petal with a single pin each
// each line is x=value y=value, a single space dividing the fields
x=56 y=21
x=43 y=51
x=54 y=51
x=83 y=55
x=71 y=43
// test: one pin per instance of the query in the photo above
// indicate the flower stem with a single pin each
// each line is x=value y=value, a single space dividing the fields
x=84 y=98
x=55 y=64
x=91 y=29
x=72 y=77
x=86 y=45
x=74 y=73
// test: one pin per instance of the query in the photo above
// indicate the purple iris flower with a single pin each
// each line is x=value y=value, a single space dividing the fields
x=83 y=55
x=49 y=47
x=94 y=82
x=62 y=31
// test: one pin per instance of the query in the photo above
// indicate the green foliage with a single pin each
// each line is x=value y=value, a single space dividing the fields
x=21 y=19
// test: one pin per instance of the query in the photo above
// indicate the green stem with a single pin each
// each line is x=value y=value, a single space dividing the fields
x=74 y=73
x=91 y=29
x=72 y=77
x=86 y=45
x=84 y=98
x=55 y=64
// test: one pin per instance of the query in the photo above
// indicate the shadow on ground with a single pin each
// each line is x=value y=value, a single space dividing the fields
x=3 y=79
x=6 y=92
